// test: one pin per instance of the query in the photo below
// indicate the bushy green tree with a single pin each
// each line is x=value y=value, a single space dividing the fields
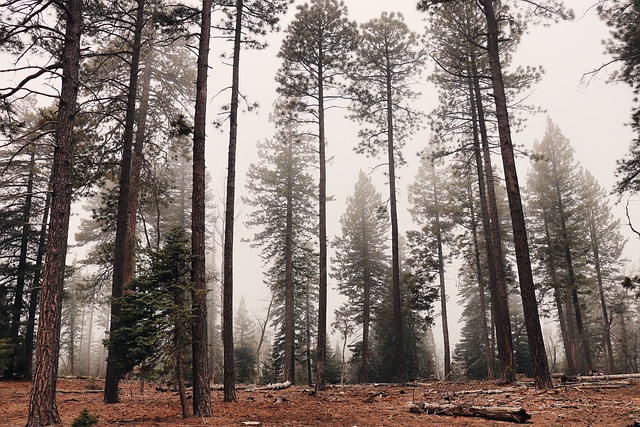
x=362 y=262
x=155 y=311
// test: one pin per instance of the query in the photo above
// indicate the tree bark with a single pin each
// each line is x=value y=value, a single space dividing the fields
x=122 y=221
x=498 y=285
x=395 y=246
x=488 y=351
x=42 y=404
x=527 y=290
x=443 y=293
x=289 y=327
x=136 y=168
x=200 y=362
x=595 y=247
x=321 y=349
x=227 y=312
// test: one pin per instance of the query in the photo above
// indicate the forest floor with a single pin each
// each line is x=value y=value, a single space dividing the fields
x=610 y=404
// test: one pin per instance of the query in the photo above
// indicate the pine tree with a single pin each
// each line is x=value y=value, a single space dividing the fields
x=388 y=58
x=554 y=182
x=315 y=54
x=362 y=263
x=428 y=196
x=282 y=196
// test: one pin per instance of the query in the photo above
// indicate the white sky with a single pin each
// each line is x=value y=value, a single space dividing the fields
x=593 y=117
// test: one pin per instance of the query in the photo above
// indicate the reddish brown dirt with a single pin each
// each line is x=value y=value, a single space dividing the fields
x=571 y=406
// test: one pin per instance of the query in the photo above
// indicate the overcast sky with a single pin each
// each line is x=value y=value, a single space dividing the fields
x=592 y=116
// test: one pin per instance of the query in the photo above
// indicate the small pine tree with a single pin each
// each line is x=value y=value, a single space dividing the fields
x=85 y=419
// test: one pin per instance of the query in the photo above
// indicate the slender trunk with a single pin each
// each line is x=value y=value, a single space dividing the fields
x=136 y=167
x=227 y=312
x=35 y=291
x=557 y=293
x=42 y=403
x=595 y=247
x=18 y=301
x=180 y=334
x=542 y=378
x=443 y=293
x=122 y=221
x=308 y=337
x=488 y=354
x=89 y=337
x=477 y=111
x=366 y=313
x=321 y=350
x=395 y=247
x=498 y=284
x=573 y=288
x=289 y=331
x=200 y=339
x=263 y=329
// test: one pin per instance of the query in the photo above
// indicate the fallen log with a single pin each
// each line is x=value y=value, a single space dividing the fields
x=494 y=413
x=276 y=386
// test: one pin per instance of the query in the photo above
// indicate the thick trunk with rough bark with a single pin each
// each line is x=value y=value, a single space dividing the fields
x=542 y=378
x=42 y=404
x=200 y=339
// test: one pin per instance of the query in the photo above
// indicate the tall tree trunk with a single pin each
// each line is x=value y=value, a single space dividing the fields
x=366 y=312
x=179 y=339
x=321 y=349
x=18 y=302
x=573 y=288
x=488 y=353
x=542 y=378
x=42 y=403
x=35 y=291
x=484 y=211
x=557 y=293
x=289 y=327
x=443 y=293
x=89 y=338
x=595 y=247
x=395 y=246
x=122 y=220
x=227 y=310
x=200 y=363
x=498 y=284
x=136 y=168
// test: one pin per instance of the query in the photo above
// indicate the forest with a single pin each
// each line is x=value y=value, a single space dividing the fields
x=118 y=248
